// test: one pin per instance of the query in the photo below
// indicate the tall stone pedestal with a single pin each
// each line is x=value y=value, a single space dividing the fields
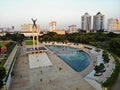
x=35 y=33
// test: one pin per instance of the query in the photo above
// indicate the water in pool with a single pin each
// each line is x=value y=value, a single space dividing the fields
x=60 y=48
x=78 y=60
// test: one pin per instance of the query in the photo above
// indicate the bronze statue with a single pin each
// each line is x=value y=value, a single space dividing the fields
x=34 y=23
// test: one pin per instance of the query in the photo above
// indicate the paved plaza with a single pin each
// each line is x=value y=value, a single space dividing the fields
x=39 y=60
x=59 y=76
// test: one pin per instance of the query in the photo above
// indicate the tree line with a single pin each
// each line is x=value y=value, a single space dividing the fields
x=110 y=41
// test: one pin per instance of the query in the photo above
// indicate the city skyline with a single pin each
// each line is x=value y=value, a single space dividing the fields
x=64 y=12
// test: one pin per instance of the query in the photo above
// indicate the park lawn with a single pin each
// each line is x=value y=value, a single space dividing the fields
x=3 y=43
x=29 y=42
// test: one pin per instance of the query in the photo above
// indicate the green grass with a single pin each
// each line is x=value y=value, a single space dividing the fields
x=29 y=42
x=3 y=43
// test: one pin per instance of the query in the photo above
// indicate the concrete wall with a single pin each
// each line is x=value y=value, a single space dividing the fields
x=9 y=79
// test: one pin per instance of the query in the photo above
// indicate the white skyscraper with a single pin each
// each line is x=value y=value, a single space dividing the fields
x=113 y=24
x=98 y=22
x=86 y=22
x=52 y=25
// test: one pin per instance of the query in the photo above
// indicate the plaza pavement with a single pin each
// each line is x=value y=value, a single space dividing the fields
x=39 y=60
x=59 y=76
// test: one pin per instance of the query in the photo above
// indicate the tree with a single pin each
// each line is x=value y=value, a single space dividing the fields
x=115 y=45
x=97 y=69
x=0 y=47
x=101 y=37
x=100 y=68
x=2 y=75
x=15 y=37
x=106 y=57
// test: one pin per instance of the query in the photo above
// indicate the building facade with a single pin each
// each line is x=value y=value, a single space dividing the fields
x=98 y=22
x=52 y=25
x=27 y=30
x=61 y=32
x=113 y=24
x=86 y=22
x=26 y=27
x=73 y=29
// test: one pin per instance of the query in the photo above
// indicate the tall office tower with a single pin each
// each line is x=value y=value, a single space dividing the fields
x=98 y=22
x=113 y=24
x=73 y=29
x=52 y=25
x=86 y=22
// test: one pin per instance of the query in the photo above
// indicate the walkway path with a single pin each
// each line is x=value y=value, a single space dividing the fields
x=109 y=68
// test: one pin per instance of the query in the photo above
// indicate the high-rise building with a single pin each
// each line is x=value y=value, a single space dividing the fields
x=73 y=29
x=98 y=22
x=52 y=25
x=86 y=22
x=113 y=24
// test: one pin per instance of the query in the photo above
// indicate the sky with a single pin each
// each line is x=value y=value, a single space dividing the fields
x=64 y=12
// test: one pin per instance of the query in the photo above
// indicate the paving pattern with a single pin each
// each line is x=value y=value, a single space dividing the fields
x=59 y=76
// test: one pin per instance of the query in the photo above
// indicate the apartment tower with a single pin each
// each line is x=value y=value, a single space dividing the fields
x=113 y=24
x=86 y=22
x=98 y=22
x=52 y=25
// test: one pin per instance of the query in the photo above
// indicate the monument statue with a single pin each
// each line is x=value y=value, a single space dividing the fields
x=34 y=23
x=35 y=33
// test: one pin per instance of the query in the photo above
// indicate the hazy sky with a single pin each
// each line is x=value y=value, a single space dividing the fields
x=64 y=12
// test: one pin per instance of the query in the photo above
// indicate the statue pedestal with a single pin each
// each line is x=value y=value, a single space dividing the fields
x=35 y=34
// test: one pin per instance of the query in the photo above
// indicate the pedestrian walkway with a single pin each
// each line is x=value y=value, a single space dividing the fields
x=108 y=66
